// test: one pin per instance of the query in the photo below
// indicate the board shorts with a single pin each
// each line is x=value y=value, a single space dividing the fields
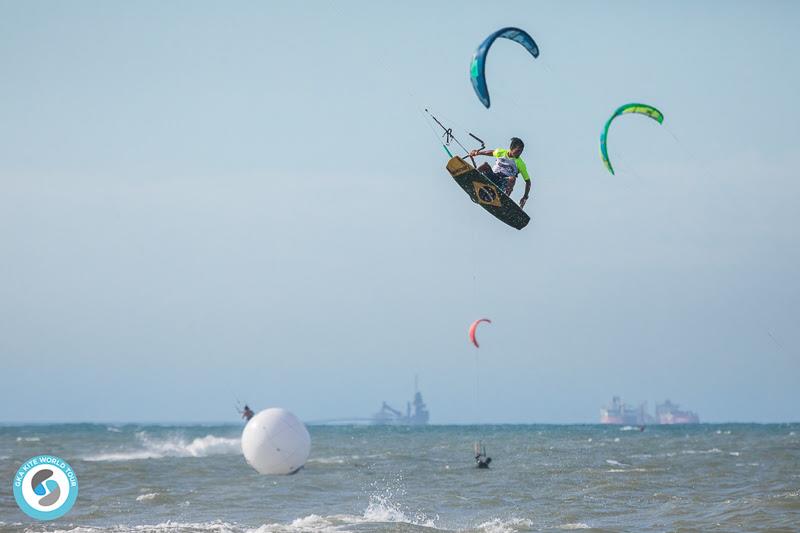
x=497 y=179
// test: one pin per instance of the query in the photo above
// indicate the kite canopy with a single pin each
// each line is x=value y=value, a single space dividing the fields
x=641 y=109
x=472 y=329
x=477 y=69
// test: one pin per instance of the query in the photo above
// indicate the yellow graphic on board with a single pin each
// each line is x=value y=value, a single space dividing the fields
x=457 y=166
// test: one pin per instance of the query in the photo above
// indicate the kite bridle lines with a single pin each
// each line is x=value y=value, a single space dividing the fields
x=448 y=137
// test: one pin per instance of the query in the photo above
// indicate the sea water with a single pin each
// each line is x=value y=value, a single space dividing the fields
x=707 y=477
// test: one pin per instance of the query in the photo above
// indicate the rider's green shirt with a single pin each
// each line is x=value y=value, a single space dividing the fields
x=509 y=166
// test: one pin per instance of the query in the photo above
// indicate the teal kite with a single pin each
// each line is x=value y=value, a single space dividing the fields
x=477 y=68
x=642 y=109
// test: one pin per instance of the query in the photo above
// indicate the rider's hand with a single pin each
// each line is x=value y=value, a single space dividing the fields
x=522 y=201
x=473 y=153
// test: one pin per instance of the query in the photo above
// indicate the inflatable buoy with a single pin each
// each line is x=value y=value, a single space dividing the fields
x=276 y=442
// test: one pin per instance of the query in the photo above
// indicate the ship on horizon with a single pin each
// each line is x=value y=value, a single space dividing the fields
x=669 y=413
x=619 y=413
x=416 y=414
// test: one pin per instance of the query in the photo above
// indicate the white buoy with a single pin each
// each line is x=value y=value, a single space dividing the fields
x=276 y=442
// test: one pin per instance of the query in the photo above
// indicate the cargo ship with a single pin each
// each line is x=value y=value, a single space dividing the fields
x=669 y=413
x=619 y=413
x=416 y=414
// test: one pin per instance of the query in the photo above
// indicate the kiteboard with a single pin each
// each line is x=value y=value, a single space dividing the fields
x=486 y=194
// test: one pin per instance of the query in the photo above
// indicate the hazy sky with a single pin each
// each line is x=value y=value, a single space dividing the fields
x=203 y=201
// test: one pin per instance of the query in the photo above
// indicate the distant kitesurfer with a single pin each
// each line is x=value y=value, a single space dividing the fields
x=481 y=460
x=247 y=413
x=507 y=167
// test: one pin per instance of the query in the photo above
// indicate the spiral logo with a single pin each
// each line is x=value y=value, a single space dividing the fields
x=45 y=487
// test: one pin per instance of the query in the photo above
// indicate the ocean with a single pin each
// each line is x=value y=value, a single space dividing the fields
x=165 y=478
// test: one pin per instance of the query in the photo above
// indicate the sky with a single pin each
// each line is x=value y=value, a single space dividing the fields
x=210 y=202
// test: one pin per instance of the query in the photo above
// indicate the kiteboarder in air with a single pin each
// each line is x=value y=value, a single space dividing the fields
x=507 y=167
x=247 y=413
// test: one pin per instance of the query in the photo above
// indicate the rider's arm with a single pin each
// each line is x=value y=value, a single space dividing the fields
x=473 y=153
x=524 y=199
x=523 y=169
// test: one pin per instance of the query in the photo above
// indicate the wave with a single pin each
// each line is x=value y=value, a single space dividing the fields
x=150 y=496
x=336 y=460
x=576 y=525
x=151 y=448
x=311 y=523
x=342 y=459
x=28 y=439
x=381 y=509
x=692 y=452
x=168 y=526
x=498 y=525
x=379 y=513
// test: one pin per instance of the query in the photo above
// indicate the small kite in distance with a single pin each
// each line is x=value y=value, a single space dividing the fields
x=641 y=109
x=472 y=329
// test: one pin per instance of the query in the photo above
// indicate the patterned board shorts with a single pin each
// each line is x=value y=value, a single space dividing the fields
x=497 y=179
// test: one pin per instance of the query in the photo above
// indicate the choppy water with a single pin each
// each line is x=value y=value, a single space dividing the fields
x=543 y=478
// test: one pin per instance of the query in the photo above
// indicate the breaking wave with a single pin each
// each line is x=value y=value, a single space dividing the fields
x=150 y=448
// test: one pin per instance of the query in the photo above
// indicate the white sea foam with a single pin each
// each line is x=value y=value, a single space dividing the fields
x=382 y=509
x=216 y=526
x=576 y=525
x=692 y=452
x=311 y=523
x=28 y=439
x=148 y=497
x=379 y=511
x=336 y=460
x=169 y=526
x=498 y=525
x=151 y=448
x=615 y=463
x=123 y=456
